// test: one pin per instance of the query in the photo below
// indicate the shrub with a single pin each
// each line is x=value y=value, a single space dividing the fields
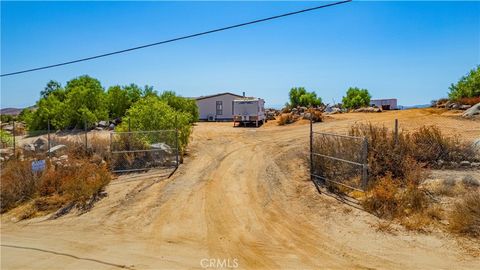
x=181 y=104
x=6 y=139
x=469 y=100
x=18 y=184
x=429 y=145
x=356 y=98
x=381 y=199
x=152 y=113
x=467 y=87
x=73 y=182
x=300 y=97
x=465 y=216
x=285 y=118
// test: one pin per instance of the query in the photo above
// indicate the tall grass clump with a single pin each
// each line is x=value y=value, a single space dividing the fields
x=75 y=181
x=397 y=167
x=465 y=217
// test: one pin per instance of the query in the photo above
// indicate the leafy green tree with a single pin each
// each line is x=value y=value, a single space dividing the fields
x=181 y=104
x=85 y=101
x=49 y=108
x=356 y=98
x=149 y=91
x=300 y=97
x=467 y=87
x=152 y=113
x=52 y=87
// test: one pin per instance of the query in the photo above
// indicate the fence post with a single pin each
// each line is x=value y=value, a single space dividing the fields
x=176 y=143
x=365 y=163
x=396 y=131
x=48 y=137
x=86 y=136
x=129 y=125
x=311 y=148
x=13 y=133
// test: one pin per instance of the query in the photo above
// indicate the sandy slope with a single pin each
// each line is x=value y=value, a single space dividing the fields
x=242 y=193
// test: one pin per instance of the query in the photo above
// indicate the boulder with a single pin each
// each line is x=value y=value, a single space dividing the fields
x=465 y=163
x=29 y=147
x=41 y=144
x=162 y=146
x=103 y=124
x=112 y=126
x=57 y=150
x=473 y=111
x=465 y=107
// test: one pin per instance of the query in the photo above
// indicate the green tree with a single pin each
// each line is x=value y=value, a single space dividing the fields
x=49 y=108
x=152 y=113
x=467 y=87
x=52 y=87
x=356 y=98
x=119 y=99
x=181 y=104
x=300 y=97
x=85 y=101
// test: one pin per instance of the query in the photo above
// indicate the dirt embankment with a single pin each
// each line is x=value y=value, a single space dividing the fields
x=242 y=193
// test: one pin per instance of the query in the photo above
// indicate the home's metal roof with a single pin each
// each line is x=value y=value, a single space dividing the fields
x=216 y=95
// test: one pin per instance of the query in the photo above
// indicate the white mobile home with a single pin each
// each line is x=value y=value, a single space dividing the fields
x=218 y=107
x=385 y=104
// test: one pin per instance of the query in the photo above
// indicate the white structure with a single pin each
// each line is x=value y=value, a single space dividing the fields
x=385 y=104
x=217 y=107
x=249 y=110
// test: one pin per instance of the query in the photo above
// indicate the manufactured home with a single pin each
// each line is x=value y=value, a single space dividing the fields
x=218 y=107
x=385 y=104
x=249 y=110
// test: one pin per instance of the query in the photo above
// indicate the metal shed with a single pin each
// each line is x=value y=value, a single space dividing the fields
x=385 y=103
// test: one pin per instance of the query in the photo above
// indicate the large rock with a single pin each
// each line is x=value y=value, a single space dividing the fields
x=103 y=124
x=162 y=146
x=58 y=150
x=41 y=144
x=29 y=147
x=474 y=111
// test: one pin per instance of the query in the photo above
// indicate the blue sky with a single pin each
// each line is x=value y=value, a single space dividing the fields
x=408 y=50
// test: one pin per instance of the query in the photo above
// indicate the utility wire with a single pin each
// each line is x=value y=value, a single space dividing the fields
x=175 y=39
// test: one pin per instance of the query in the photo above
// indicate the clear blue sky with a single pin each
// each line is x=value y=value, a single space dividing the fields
x=408 y=50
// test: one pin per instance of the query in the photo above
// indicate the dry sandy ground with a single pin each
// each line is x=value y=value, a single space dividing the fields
x=242 y=195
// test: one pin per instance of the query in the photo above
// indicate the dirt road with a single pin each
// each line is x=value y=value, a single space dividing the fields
x=242 y=196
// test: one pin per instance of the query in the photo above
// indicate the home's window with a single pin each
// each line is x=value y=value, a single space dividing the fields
x=219 y=108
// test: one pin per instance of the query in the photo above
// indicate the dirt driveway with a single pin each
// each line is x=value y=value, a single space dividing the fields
x=242 y=197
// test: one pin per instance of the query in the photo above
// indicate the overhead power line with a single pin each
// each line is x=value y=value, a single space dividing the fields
x=174 y=39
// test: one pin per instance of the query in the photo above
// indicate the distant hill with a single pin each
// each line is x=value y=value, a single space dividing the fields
x=11 y=111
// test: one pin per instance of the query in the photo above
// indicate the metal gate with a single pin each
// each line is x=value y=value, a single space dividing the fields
x=143 y=150
x=339 y=160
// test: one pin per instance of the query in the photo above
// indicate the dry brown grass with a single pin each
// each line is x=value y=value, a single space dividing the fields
x=72 y=182
x=469 y=101
x=285 y=118
x=465 y=216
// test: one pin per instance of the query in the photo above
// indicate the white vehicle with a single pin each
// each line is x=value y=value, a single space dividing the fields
x=249 y=110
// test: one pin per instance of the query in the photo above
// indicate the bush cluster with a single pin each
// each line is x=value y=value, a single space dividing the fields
x=467 y=87
x=73 y=182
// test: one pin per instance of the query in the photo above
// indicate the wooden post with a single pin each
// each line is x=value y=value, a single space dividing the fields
x=86 y=136
x=13 y=133
x=396 y=131
x=48 y=137
x=176 y=143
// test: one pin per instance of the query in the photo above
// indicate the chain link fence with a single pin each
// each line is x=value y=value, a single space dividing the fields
x=123 y=151
x=143 y=150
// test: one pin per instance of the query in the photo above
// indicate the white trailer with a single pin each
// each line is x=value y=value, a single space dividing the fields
x=249 y=110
